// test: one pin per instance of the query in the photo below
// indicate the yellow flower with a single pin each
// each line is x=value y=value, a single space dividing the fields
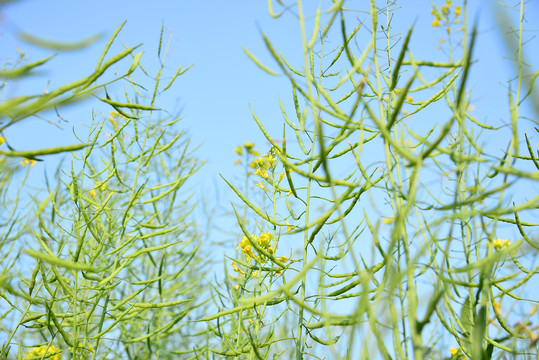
x=458 y=10
x=237 y=269
x=281 y=176
x=500 y=244
x=388 y=220
x=271 y=160
x=239 y=150
x=260 y=185
x=436 y=22
x=26 y=161
x=237 y=287
x=265 y=239
x=289 y=227
x=2 y=139
x=409 y=99
x=261 y=172
x=271 y=250
x=245 y=246
x=237 y=162
x=255 y=273
x=282 y=259
x=496 y=307
x=93 y=193
x=248 y=145
x=44 y=351
x=456 y=353
x=445 y=9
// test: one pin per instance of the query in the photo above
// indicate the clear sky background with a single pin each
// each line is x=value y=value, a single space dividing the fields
x=215 y=93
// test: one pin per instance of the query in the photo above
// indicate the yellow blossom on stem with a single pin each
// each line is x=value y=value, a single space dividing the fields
x=388 y=220
x=436 y=22
x=255 y=273
x=454 y=351
x=289 y=227
x=239 y=150
x=260 y=185
x=245 y=247
x=281 y=176
x=26 y=161
x=44 y=351
x=282 y=259
x=237 y=269
x=93 y=193
x=500 y=244
x=261 y=172
x=264 y=239
x=2 y=139
x=445 y=9
x=458 y=10
x=271 y=160
x=496 y=307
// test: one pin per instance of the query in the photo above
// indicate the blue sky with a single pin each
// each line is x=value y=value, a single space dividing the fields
x=215 y=93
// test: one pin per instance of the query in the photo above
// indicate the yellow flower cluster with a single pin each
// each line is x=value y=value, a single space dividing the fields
x=26 y=161
x=114 y=116
x=249 y=149
x=444 y=13
x=48 y=352
x=500 y=244
x=456 y=353
x=266 y=162
x=264 y=240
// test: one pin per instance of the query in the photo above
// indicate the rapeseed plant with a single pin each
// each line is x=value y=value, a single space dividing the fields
x=50 y=352
x=318 y=271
